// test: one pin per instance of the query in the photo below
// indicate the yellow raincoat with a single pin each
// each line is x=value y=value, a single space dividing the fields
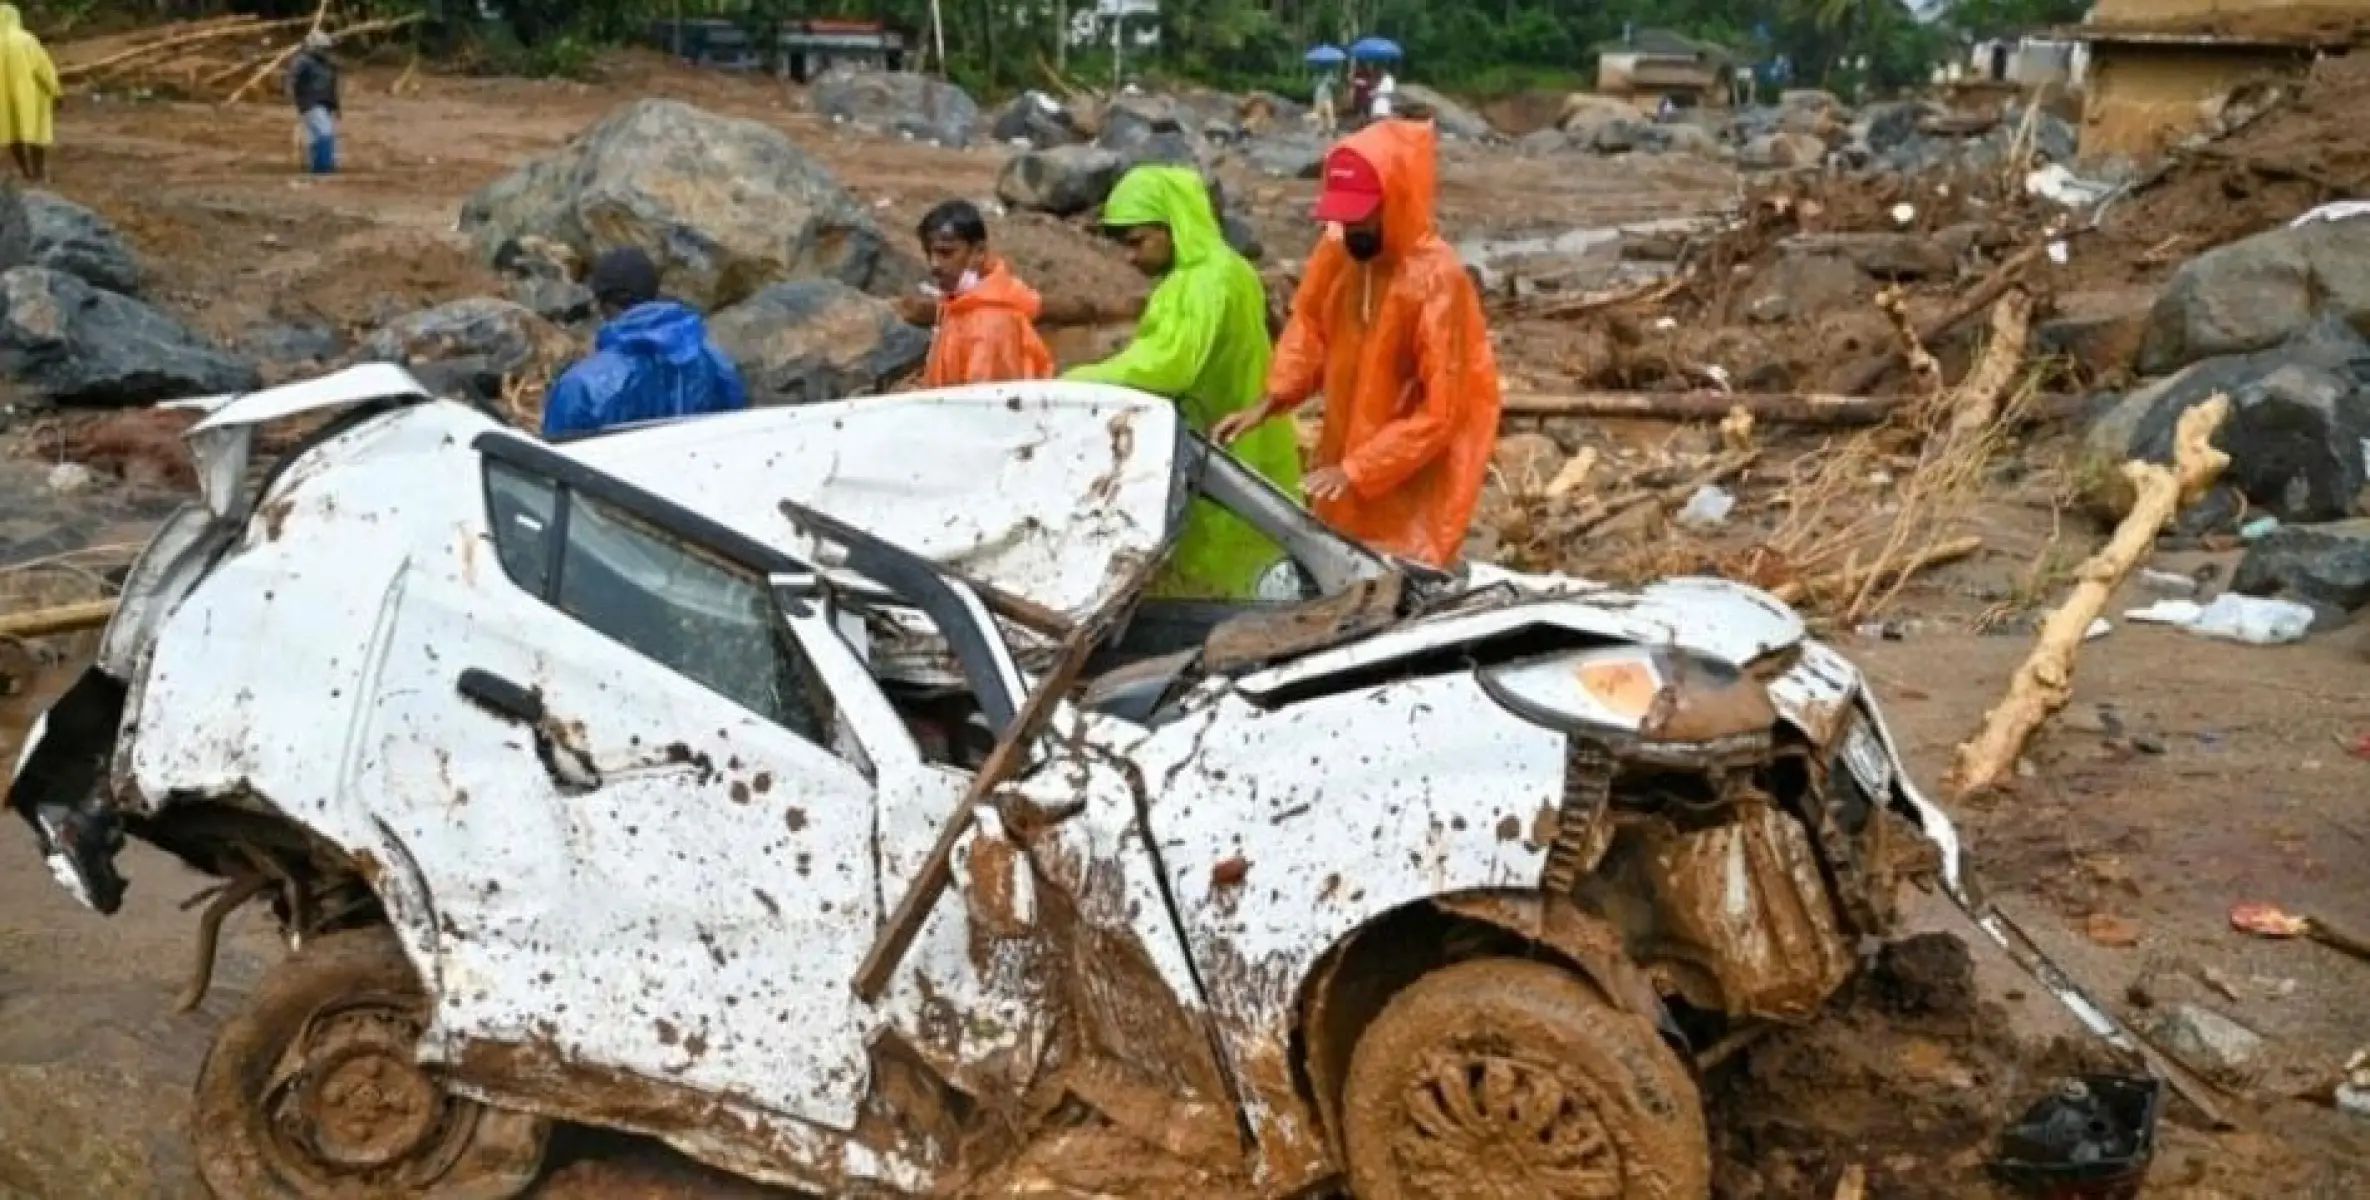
x=28 y=83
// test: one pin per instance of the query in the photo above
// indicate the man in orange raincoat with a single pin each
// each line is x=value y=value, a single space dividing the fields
x=1388 y=325
x=986 y=317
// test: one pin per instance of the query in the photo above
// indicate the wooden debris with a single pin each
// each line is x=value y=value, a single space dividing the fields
x=1926 y=372
x=1976 y=402
x=2044 y=684
x=63 y=618
x=1853 y=1185
x=1804 y=408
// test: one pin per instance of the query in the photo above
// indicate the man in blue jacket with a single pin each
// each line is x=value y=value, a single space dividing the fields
x=652 y=359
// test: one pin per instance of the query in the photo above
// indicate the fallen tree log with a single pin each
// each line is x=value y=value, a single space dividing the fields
x=2045 y=682
x=1977 y=401
x=63 y=618
x=1805 y=408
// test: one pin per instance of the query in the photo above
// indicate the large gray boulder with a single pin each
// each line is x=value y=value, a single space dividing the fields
x=1286 y=155
x=1038 y=120
x=76 y=344
x=471 y=347
x=900 y=102
x=726 y=206
x=2327 y=566
x=815 y=340
x=2299 y=418
x=2259 y=292
x=1064 y=181
x=1453 y=119
x=68 y=237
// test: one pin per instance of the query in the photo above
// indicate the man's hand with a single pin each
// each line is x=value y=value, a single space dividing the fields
x=1326 y=483
x=1231 y=427
x=917 y=310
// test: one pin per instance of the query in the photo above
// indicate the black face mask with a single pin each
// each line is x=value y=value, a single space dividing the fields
x=1363 y=244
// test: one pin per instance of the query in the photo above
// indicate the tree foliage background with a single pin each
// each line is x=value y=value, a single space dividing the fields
x=1476 y=47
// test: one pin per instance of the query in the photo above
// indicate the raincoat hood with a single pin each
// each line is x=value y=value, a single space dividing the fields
x=1171 y=196
x=1406 y=155
x=998 y=287
x=10 y=20
x=660 y=329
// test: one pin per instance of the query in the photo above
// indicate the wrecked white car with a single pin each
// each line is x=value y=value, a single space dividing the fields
x=811 y=789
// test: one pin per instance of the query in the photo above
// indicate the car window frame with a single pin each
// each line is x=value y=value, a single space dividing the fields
x=559 y=546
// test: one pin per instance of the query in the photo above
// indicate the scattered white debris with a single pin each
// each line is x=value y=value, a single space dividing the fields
x=2338 y=211
x=2061 y=186
x=1904 y=213
x=2255 y=620
x=1708 y=508
x=2099 y=628
x=2166 y=583
x=69 y=479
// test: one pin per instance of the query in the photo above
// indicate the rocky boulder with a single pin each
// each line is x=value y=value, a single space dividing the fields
x=815 y=340
x=2300 y=416
x=724 y=205
x=67 y=237
x=1584 y=111
x=470 y=348
x=2326 y=566
x=1883 y=127
x=1691 y=139
x=1037 y=120
x=76 y=344
x=1289 y=155
x=2260 y=291
x=1454 y=119
x=1798 y=286
x=1781 y=151
x=916 y=106
x=1064 y=181
x=1546 y=143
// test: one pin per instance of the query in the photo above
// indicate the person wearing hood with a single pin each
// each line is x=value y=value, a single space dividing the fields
x=984 y=316
x=651 y=361
x=312 y=87
x=28 y=96
x=1201 y=342
x=1388 y=326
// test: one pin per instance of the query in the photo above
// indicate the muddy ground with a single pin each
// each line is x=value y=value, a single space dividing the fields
x=2187 y=777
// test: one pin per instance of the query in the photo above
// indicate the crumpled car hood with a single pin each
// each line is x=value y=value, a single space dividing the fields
x=1717 y=619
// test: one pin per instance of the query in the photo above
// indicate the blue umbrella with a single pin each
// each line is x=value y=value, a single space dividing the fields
x=1375 y=49
x=1326 y=56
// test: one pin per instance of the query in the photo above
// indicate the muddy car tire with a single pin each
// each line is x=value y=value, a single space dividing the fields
x=312 y=1094
x=1502 y=1077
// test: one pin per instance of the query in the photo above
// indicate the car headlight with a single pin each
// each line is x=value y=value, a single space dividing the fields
x=1645 y=695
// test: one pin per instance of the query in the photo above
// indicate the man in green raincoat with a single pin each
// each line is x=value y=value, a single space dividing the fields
x=1201 y=342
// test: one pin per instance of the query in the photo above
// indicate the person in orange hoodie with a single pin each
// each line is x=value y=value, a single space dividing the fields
x=1389 y=327
x=985 y=316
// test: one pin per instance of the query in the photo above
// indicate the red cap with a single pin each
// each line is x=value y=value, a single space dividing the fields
x=1353 y=188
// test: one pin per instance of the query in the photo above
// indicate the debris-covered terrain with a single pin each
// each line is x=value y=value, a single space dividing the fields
x=1873 y=361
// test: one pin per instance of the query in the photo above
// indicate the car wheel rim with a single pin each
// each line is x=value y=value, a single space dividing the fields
x=1480 y=1123
x=349 y=1106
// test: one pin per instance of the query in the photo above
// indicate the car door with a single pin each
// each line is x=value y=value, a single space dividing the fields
x=617 y=776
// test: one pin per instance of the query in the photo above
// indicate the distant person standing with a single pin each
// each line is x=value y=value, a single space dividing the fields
x=312 y=86
x=1386 y=94
x=1321 y=106
x=28 y=95
x=1361 y=94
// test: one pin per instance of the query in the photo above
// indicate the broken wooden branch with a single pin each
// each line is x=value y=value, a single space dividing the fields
x=272 y=64
x=1867 y=373
x=1857 y=579
x=1010 y=755
x=1977 y=400
x=1923 y=370
x=63 y=618
x=2045 y=682
x=210 y=32
x=1802 y=408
